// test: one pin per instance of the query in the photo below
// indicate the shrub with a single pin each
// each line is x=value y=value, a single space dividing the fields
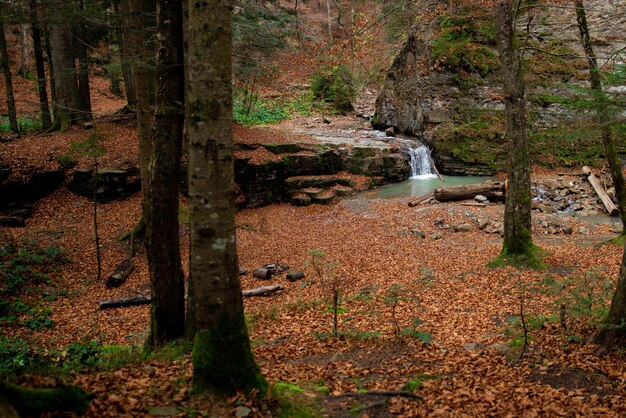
x=334 y=85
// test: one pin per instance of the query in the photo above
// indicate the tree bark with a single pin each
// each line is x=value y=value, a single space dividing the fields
x=126 y=58
x=24 y=70
x=6 y=69
x=601 y=117
x=489 y=190
x=161 y=210
x=67 y=105
x=613 y=331
x=141 y=77
x=517 y=212
x=222 y=357
x=42 y=89
x=83 y=66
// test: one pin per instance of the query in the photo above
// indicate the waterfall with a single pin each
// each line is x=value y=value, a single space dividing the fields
x=420 y=163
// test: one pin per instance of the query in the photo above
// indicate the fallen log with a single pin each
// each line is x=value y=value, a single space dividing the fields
x=597 y=187
x=262 y=291
x=121 y=273
x=491 y=190
x=146 y=300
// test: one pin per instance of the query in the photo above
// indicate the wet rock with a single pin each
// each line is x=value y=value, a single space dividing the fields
x=545 y=208
x=390 y=131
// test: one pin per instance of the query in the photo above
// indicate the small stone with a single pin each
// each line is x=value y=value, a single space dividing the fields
x=480 y=198
x=583 y=230
x=440 y=223
x=390 y=131
x=562 y=205
x=545 y=208
x=435 y=236
x=567 y=230
x=483 y=223
x=544 y=224
x=242 y=411
x=418 y=233
x=552 y=231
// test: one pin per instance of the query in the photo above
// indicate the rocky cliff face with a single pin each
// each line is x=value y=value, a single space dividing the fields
x=444 y=85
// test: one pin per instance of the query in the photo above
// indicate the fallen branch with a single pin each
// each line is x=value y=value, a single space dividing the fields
x=387 y=393
x=146 y=300
x=606 y=200
x=121 y=273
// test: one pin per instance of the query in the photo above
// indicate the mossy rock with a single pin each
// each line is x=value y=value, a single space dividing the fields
x=311 y=191
x=324 y=197
x=301 y=165
x=301 y=182
x=300 y=199
x=282 y=148
x=342 y=190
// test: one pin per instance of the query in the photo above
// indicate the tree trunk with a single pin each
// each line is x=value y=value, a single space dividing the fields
x=6 y=69
x=140 y=74
x=24 y=68
x=613 y=332
x=517 y=215
x=67 y=105
x=126 y=57
x=601 y=116
x=222 y=357
x=46 y=122
x=83 y=66
x=489 y=190
x=161 y=210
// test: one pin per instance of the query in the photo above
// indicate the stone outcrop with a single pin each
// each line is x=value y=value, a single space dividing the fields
x=111 y=183
x=448 y=94
x=19 y=191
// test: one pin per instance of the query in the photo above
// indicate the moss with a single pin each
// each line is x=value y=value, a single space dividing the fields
x=551 y=63
x=282 y=148
x=294 y=402
x=35 y=401
x=530 y=256
x=222 y=358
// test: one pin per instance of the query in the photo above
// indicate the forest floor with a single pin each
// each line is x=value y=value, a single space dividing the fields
x=424 y=319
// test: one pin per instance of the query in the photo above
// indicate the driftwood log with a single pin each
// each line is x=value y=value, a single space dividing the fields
x=491 y=190
x=146 y=300
x=120 y=274
x=606 y=200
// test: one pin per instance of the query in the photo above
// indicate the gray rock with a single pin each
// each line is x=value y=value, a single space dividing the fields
x=462 y=228
x=544 y=224
x=500 y=348
x=545 y=208
x=480 y=198
x=418 y=233
x=567 y=230
x=390 y=131
x=435 y=236
x=472 y=346
x=483 y=223
x=583 y=230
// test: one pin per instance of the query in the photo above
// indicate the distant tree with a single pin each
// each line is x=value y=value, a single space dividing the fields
x=161 y=202
x=517 y=212
x=67 y=107
x=42 y=89
x=6 y=69
x=222 y=357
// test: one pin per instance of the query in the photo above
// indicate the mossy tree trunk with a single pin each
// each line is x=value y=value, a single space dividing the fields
x=602 y=116
x=6 y=69
x=42 y=89
x=517 y=217
x=222 y=357
x=36 y=401
x=161 y=201
x=613 y=333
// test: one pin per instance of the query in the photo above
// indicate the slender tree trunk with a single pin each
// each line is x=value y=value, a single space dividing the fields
x=140 y=74
x=613 y=332
x=126 y=57
x=329 y=22
x=48 y=48
x=161 y=210
x=24 y=68
x=67 y=105
x=517 y=217
x=601 y=117
x=46 y=122
x=6 y=68
x=83 y=65
x=222 y=357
